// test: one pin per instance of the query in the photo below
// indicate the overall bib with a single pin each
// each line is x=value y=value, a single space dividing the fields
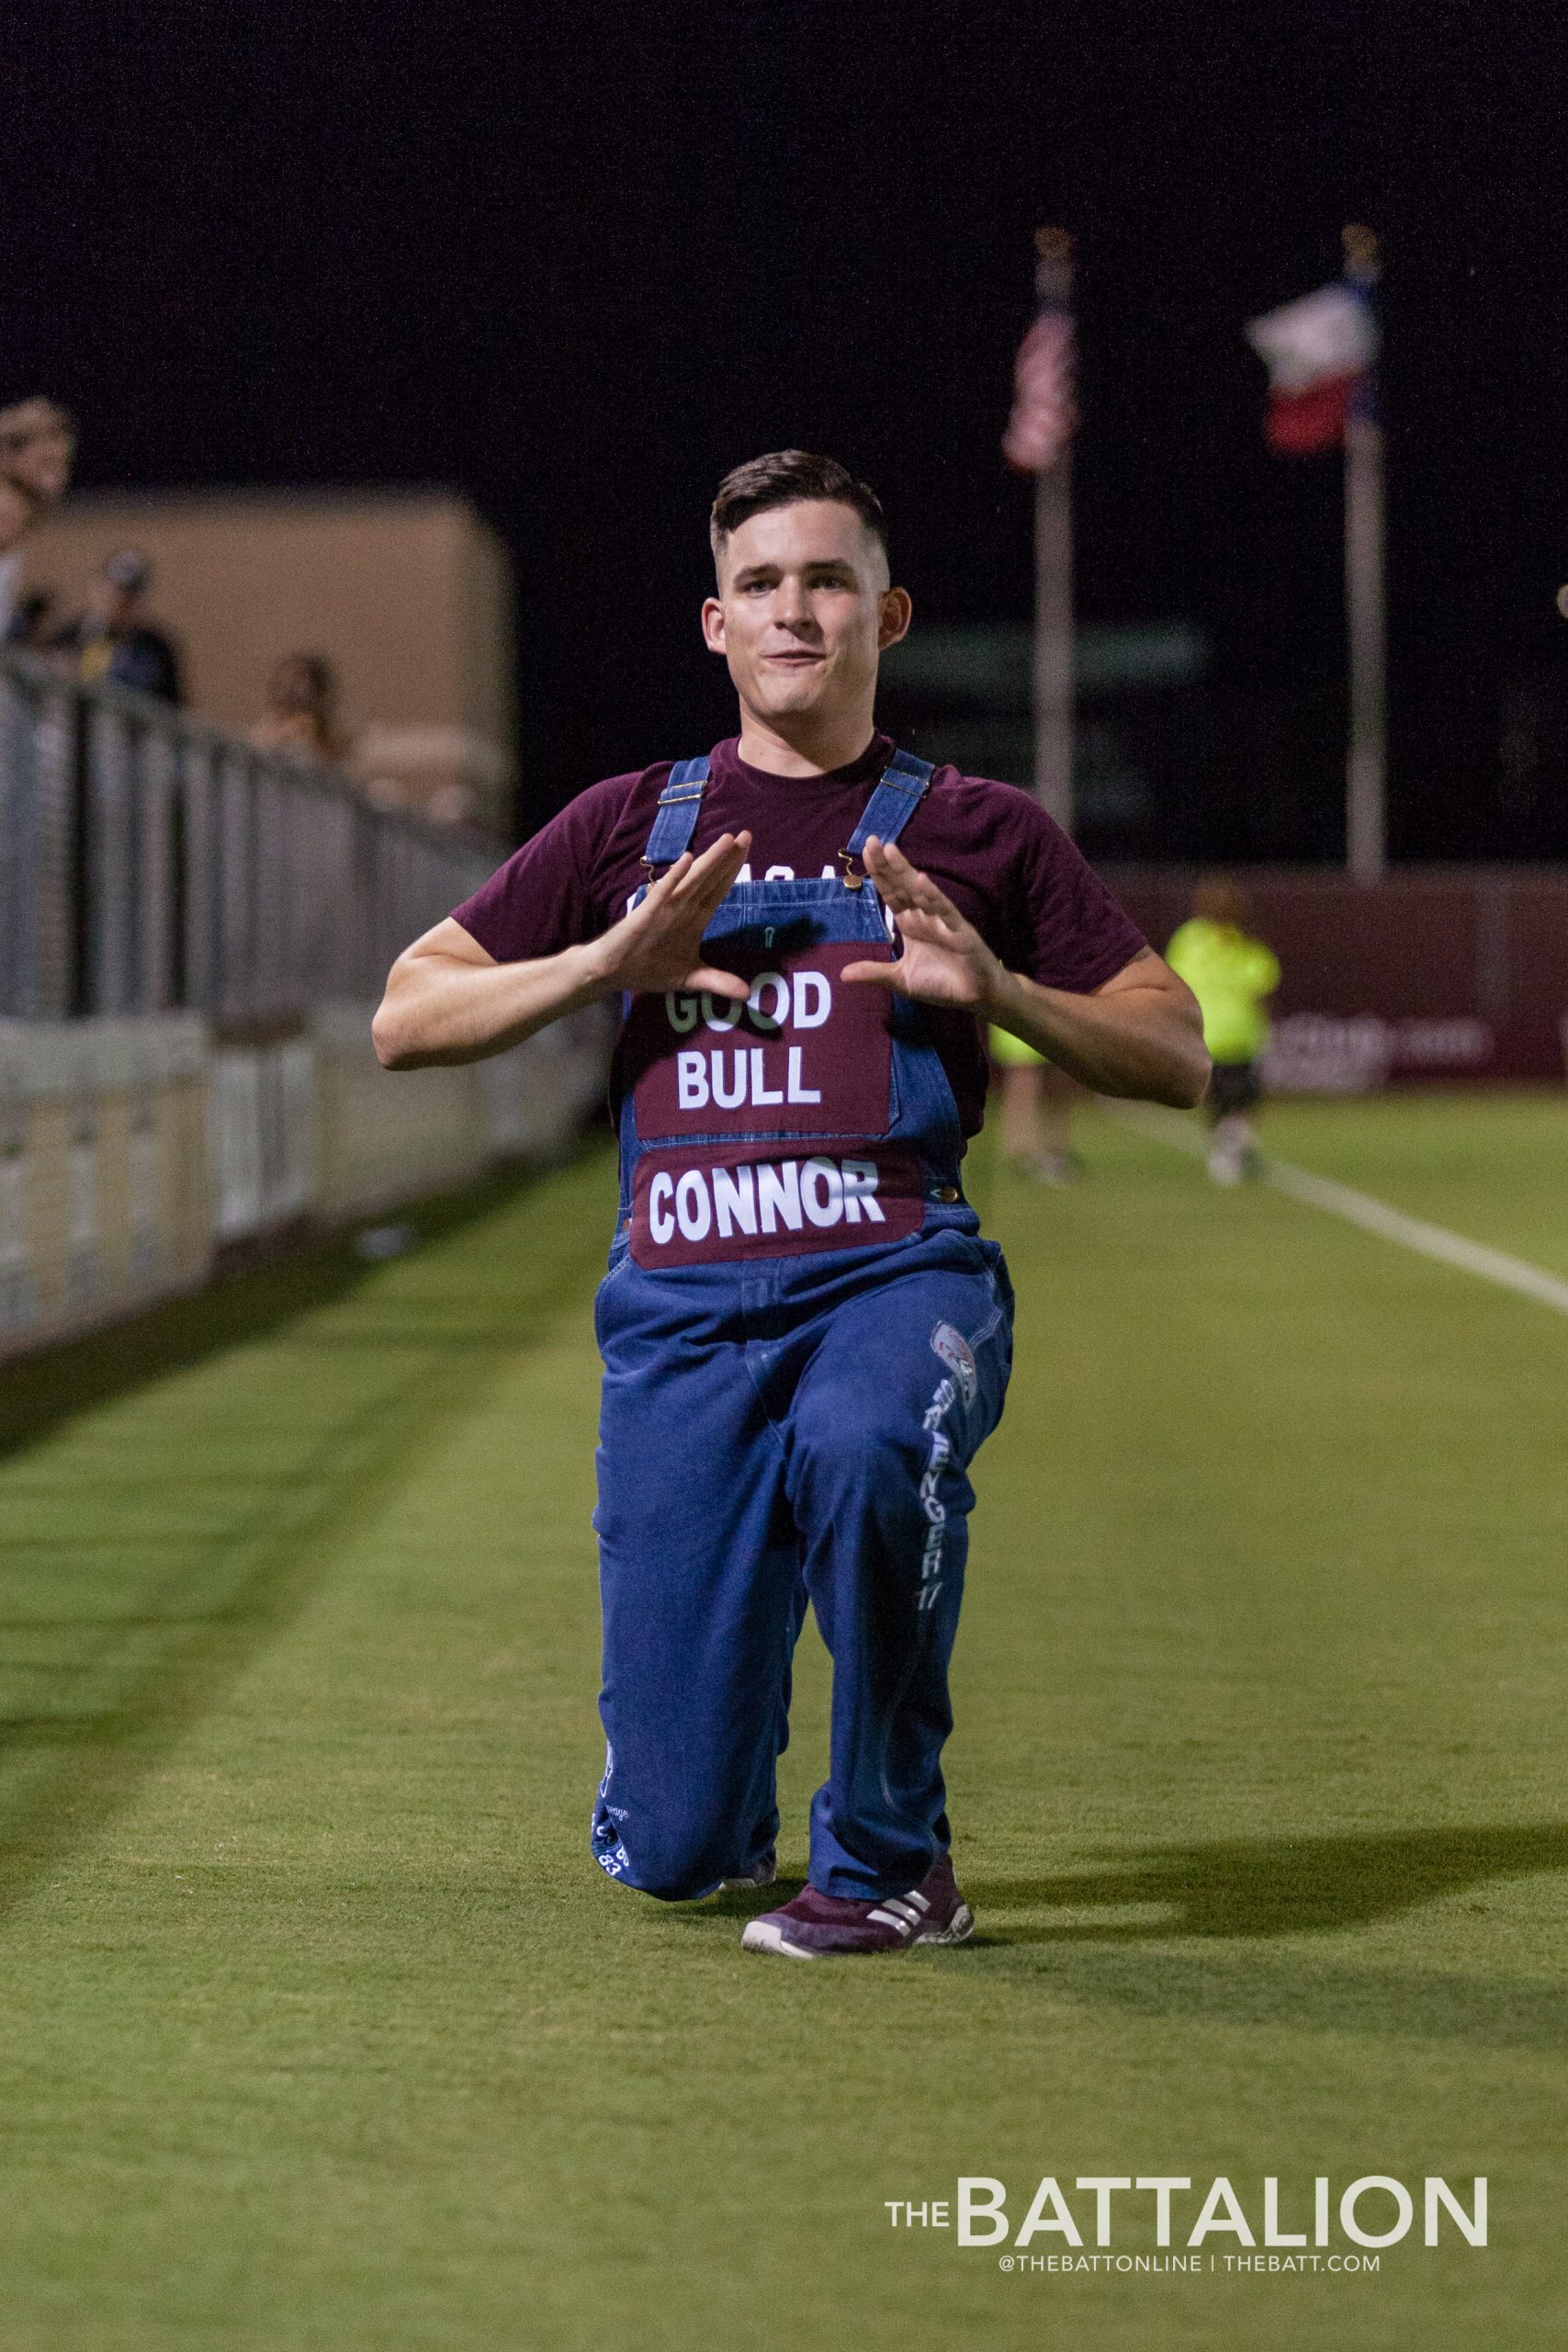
x=805 y=1344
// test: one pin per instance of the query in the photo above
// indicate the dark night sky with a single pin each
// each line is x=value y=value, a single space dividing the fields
x=580 y=259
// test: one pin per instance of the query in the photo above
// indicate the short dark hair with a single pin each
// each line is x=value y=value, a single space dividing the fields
x=784 y=478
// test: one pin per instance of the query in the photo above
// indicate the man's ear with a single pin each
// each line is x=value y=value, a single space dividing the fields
x=713 y=625
x=893 y=621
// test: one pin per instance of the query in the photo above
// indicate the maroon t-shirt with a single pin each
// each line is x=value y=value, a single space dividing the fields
x=1032 y=897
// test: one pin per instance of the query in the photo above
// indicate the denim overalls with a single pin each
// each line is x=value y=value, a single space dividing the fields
x=805 y=1344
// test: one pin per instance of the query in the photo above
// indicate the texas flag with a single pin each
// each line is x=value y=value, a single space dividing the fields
x=1319 y=353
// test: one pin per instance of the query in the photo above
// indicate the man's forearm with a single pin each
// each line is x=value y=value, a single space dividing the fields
x=1143 y=1042
x=440 y=1010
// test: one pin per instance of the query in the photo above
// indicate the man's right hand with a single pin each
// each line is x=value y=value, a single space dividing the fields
x=448 y=1000
x=659 y=944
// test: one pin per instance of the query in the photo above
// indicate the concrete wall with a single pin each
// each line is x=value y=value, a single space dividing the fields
x=132 y=1152
x=385 y=1137
x=102 y=1171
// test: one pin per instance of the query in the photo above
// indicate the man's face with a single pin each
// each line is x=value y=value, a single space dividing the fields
x=115 y=606
x=40 y=461
x=804 y=610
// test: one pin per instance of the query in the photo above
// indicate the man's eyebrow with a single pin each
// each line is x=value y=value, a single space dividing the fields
x=774 y=570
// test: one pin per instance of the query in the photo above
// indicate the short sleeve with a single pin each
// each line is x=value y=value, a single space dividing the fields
x=1076 y=934
x=545 y=898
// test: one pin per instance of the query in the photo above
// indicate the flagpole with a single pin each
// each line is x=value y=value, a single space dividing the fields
x=1366 y=629
x=1053 y=574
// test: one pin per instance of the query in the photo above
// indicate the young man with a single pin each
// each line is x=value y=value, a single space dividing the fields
x=805 y=1341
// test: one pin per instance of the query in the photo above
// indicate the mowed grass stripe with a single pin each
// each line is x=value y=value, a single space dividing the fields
x=1414 y=1233
x=1390 y=1224
x=329 y=2033
x=151 y=1544
x=1485 y=1165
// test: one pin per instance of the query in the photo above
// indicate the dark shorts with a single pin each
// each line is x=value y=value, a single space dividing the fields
x=1234 y=1086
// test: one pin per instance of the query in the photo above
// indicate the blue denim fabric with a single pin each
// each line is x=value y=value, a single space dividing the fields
x=782 y=1432
x=769 y=1432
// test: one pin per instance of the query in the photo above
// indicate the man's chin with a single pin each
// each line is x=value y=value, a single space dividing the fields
x=778 y=697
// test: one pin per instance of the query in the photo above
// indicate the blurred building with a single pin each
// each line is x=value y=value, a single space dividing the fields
x=963 y=692
x=408 y=592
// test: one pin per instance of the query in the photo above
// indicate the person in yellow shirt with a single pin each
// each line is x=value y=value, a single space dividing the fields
x=1037 y=1100
x=1232 y=975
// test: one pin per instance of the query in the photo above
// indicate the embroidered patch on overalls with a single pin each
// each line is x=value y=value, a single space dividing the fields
x=959 y=1357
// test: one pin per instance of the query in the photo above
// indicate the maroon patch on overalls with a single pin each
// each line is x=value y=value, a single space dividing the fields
x=712 y=1201
x=809 y=1054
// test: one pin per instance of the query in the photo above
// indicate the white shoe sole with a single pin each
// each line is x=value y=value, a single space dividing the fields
x=762 y=1935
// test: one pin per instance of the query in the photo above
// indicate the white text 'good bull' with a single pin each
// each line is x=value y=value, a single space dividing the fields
x=778 y=1001
x=729 y=1079
x=801 y=1056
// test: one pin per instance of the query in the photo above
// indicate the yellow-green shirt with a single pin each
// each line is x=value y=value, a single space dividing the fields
x=1230 y=975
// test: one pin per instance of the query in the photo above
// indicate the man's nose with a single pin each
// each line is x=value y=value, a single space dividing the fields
x=791 y=605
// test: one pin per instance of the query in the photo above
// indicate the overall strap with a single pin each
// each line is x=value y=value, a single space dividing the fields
x=676 y=820
x=900 y=792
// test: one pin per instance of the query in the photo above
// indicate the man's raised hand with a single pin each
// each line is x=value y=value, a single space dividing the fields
x=945 y=961
x=659 y=944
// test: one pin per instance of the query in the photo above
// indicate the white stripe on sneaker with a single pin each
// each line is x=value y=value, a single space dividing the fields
x=891 y=1920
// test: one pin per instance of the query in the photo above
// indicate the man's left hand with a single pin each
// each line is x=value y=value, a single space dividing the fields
x=1140 y=1033
x=945 y=961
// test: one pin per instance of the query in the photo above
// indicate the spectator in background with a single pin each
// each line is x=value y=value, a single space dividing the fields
x=301 y=712
x=37 y=441
x=34 y=625
x=115 y=640
x=451 y=804
x=1232 y=975
x=19 y=509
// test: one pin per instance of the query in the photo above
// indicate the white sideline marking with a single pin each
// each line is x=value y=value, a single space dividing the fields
x=1365 y=1210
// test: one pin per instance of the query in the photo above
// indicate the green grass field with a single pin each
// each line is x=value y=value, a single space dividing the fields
x=320 y=2029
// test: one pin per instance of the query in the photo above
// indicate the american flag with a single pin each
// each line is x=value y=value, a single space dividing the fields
x=1043 y=413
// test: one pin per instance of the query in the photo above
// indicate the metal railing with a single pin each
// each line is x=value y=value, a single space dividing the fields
x=149 y=862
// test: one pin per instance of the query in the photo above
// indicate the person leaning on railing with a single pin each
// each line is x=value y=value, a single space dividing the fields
x=301 y=712
x=114 y=638
x=19 y=509
x=38 y=440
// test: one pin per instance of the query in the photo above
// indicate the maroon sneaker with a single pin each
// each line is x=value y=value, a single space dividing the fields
x=815 y=1926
